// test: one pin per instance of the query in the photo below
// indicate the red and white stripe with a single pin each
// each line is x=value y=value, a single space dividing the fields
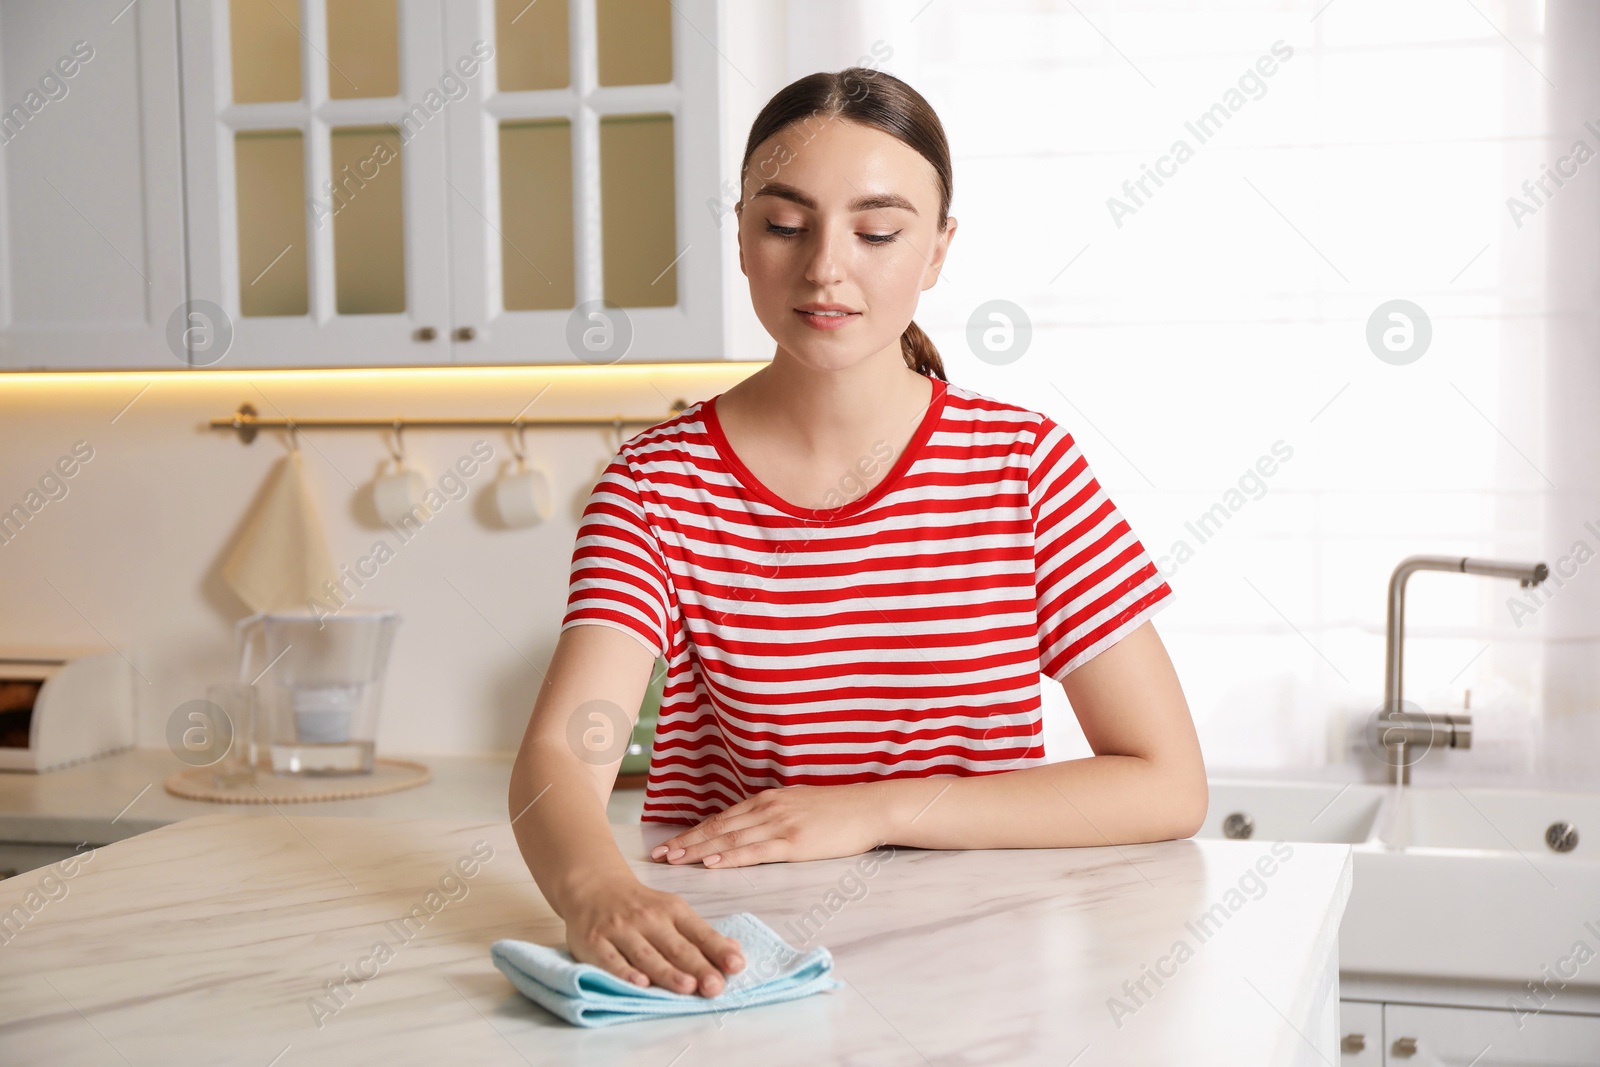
x=901 y=634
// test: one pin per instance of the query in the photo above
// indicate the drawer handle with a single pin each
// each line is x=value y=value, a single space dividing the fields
x=1353 y=1043
x=1405 y=1046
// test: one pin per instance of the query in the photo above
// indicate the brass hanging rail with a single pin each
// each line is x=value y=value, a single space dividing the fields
x=246 y=422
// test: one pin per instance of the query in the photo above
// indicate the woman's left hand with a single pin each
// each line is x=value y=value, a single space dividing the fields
x=801 y=822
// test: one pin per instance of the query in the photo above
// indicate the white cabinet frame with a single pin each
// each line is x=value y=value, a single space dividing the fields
x=177 y=235
x=322 y=337
x=695 y=328
x=136 y=52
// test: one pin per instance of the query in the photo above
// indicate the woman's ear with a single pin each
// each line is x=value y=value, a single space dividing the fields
x=941 y=247
x=738 y=234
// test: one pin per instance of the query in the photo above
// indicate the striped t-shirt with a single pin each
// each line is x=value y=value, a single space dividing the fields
x=899 y=634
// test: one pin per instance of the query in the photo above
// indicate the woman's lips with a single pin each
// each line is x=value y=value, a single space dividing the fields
x=827 y=322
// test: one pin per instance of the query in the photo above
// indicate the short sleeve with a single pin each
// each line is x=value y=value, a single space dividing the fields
x=619 y=575
x=1095 y=582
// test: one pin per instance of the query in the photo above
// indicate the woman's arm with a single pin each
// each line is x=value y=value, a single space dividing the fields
x=557 y=805
x=1146 y=781
x=557 y=802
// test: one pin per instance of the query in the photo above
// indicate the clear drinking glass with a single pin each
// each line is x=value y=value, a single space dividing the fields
x=238 y=702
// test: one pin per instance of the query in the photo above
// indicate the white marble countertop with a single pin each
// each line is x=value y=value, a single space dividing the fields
x=82 y=803
x=213 y=940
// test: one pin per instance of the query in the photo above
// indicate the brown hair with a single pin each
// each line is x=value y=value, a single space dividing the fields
x=869 y=98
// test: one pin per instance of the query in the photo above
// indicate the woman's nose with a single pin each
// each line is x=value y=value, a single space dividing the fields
x=825 y=263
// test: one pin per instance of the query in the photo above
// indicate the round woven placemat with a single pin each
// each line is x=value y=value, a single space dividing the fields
x=388 y=776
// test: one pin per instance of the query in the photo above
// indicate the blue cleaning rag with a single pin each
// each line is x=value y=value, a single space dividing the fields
x=586 y=995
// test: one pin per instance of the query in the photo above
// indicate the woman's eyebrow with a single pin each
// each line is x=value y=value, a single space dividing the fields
x=870 y=202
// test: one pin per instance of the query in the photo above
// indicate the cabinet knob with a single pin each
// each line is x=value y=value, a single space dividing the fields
x=1405 y=1046
x=1353 y=1043
x=465 y=333
x=426 y=333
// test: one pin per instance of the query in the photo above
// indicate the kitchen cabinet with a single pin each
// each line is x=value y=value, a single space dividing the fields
x=17 y=857
x=1418 y=1036
x=630 y=126
x=91 y=185
x=1446 y=974
x=1415 y=1035
x=317 y=224
x=409 y=182
x=1360 y=1034
x=367 y=183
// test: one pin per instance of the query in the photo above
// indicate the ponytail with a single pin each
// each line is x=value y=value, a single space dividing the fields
x=919 y=353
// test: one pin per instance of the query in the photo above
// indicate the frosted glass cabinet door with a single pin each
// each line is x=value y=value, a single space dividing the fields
x=316 y=140
x=91 y=185
x=579 y=173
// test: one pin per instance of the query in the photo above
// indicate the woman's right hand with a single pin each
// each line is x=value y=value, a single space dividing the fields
x=644 y=935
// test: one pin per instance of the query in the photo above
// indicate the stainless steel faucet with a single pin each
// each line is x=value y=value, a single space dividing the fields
x=1396 y=729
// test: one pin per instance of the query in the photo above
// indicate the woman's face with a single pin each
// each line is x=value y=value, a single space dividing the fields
x=839 y=213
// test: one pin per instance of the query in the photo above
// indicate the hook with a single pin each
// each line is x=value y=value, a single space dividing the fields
x=397 y=451
x=519 y=445
x=616 y=426
x=294 y=438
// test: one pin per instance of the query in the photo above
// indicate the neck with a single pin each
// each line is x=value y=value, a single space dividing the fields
x=826 y=411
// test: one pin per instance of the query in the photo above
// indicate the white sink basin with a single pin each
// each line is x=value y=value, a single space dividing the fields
x=1294 y=811
x=1452 y=884
x=1494 y=820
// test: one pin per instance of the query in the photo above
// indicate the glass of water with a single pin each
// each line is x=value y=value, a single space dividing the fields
x=237 y=701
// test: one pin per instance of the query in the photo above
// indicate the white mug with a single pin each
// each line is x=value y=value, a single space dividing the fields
x=398 y=496
x=523 y=497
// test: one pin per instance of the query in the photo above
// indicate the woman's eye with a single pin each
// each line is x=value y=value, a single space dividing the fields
x=871 y=238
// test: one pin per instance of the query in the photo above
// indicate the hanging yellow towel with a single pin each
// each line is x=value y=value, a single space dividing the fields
x=282 y=559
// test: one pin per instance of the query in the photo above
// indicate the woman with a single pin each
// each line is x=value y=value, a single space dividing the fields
x=856 y=572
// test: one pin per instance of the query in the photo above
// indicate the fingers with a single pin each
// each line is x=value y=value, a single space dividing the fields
x=767 y=850
x=717 y=947
x=719 y=840
x=671 y=961
x=605 y=954
x=746 y=843
x=646 y=936
x=644 y=956
x=687 y=955
x=711 y=827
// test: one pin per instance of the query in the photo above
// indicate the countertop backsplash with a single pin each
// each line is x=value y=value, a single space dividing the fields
x=127 y=553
